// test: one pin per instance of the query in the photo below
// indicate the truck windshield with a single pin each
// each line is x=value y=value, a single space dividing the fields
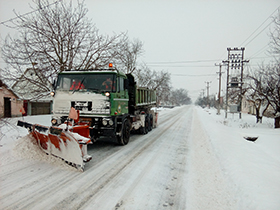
x=96 y=82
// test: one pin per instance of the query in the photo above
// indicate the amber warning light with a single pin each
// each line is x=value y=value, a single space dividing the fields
x=110 y=65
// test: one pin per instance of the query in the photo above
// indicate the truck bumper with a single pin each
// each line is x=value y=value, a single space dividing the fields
x=102 y=132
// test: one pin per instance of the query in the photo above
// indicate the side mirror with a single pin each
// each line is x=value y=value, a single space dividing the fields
x=54 y=84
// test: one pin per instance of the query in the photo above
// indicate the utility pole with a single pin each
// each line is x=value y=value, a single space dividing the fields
x=235 y=64
x=220 y=81
x=203 y=93
x=207 y=87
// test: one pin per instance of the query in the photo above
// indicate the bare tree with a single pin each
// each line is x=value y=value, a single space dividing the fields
x=151 y=78
x=265 y=88
x=273 y=73
x=272 y=89
x=128 y=53
x=144 y=76
x=155 y=80
x=162 y=83
x=275 y=36
x=254 y=93
x=54 y=39
x=179 y=97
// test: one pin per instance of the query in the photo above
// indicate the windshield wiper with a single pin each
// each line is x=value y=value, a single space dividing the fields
x=79 y=86
x=94 y=89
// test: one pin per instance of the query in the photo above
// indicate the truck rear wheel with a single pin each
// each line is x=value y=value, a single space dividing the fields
x=123 y=139
x=144 y=130
x=151 y=122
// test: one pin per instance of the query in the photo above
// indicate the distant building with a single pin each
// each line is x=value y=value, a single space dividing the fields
x=10 y=104
x=249 y=108
x=35 y=101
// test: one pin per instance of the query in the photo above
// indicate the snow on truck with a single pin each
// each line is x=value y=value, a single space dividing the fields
x=91 y=105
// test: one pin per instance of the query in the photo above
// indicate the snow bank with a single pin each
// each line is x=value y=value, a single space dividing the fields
x=20 y=144
x=210 y=187
x=27 y=148
x=223 y=170
x=252 y=167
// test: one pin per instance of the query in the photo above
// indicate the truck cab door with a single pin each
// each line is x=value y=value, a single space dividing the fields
x=122 y=96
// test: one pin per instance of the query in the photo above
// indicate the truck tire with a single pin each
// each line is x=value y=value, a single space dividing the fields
x=123 y=139
x=151 y=122
x=144 y=130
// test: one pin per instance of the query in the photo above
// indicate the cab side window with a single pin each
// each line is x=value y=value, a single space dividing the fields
x=121 y=82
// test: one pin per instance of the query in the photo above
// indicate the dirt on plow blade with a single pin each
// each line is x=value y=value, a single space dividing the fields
x=66 y=142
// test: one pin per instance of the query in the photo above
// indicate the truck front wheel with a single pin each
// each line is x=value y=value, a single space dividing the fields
x=123 y=139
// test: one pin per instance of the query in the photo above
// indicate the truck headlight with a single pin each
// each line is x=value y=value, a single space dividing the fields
x=104 y=122
x=54 y=121
x=111 y=122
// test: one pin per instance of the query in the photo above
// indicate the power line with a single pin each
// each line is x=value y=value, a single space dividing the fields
x=258 y=34
x=196 y=66
x=193 y=75
x=176 y=66
x=259 y=52
x=172 y=62
x=259 y=28
x=28 y=13
x=169 y=63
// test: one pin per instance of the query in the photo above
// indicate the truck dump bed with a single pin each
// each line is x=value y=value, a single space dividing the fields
x=139 y=97
x=145 y=96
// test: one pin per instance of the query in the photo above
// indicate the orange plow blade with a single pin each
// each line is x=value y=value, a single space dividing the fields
x=69 y=144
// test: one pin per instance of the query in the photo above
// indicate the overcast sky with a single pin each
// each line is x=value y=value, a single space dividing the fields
x=183 y=37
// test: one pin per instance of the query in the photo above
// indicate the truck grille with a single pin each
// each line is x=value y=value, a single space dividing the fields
x=86 y=107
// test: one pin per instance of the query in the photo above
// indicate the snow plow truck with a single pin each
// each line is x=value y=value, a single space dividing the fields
x=91 y=105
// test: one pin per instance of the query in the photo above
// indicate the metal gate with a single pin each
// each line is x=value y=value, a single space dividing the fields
x=38 y=108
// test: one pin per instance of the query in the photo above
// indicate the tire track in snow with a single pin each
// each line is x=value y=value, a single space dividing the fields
x=208 y=186
x=70 y=189
x=27 y=180
x=169 y=188
x=108 y=176
x=35 y=189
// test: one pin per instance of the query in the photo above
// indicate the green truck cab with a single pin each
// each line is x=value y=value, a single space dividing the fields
x=108 y=100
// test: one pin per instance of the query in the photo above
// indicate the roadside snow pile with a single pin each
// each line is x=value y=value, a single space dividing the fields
x=8 y=132
x=252 y=167
x=17 y=143
x=27 y=148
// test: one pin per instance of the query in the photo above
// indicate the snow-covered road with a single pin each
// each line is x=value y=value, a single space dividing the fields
x=172 y=167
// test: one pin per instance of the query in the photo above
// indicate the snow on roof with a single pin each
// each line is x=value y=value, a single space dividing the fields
x=2 y=84
x=90 y=71
x=27 y=87
x=106 y=71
